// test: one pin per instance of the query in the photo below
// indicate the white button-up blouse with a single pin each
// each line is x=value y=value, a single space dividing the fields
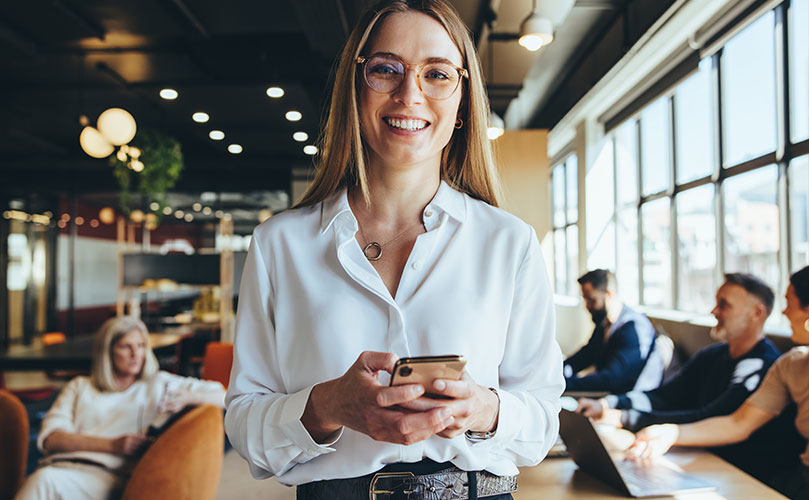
x=475 y=284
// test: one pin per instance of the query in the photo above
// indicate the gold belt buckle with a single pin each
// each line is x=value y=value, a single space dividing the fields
x=373 y=492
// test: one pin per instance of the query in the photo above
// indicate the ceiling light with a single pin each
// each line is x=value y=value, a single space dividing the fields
x=235 y=149
x=216 y=135
x=293 y=116
x=117 y=126
x=94 y=144
x=197 y=207
x=166 y=210
x=219 y=214
x=535 y=31
x=169 y=94
x=207 y=210
x=106 y=215
x=310 y=150
x=300 y=136
x=137 y=216
x=189 y=217
x=154 y=206
x=275 y=92
x=200 y=117
x=179 y=214
x=496 y=126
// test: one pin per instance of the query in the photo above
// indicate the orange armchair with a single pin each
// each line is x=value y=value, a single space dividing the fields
x=217 y=362
x=185 y=462
x=14 y=436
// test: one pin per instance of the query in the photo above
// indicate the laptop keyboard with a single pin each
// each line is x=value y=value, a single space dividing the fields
x=649 y=480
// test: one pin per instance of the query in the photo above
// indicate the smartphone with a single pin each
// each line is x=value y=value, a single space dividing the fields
x=425 y=369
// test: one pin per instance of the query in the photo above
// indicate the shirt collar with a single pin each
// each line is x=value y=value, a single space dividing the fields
x=446 y=199
x=332 y=207
x=450 y=201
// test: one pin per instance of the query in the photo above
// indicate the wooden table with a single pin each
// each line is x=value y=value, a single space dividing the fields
x=559 y=479
x=73 y=354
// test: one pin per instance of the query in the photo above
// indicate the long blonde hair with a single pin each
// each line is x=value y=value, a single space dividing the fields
x=467 y=163
x=103 y=371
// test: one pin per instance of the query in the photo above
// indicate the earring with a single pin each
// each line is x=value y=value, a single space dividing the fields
x=459 y=123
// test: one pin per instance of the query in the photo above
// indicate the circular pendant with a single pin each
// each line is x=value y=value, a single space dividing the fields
x=369 y=247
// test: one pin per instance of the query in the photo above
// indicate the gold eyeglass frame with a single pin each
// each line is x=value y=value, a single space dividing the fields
x=462 y=73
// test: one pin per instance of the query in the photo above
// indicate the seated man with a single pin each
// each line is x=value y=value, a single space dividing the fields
x=718 y=378
x=620 y=345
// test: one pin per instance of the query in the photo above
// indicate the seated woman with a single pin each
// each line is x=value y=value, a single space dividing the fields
x=787 y=382
x=94 y=431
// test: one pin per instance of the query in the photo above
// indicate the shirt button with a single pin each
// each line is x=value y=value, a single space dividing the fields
x=428 y=213
x=416 y=265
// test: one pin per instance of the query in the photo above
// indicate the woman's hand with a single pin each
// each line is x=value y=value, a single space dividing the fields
x=357 y=400
x=473 y=406
x=130 y=444
x=174 y=401
x=653 y=441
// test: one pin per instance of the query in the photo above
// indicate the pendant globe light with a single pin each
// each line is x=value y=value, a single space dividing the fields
x=94 y=143
x=117 y=126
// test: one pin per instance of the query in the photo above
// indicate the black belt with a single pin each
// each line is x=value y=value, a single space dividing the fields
x=448 y=484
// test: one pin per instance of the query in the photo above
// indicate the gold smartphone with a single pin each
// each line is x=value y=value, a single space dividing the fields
x=425 y=369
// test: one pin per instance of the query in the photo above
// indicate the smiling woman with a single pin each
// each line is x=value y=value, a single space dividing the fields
x=397 y=250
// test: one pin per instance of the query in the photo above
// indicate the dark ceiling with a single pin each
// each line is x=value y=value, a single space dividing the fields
x=65 y=58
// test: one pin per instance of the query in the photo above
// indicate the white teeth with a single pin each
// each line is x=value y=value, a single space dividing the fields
x=406 y=124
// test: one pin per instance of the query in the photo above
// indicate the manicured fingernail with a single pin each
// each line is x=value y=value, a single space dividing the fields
x=443 y=413
x=440 y=385
x=418 y=390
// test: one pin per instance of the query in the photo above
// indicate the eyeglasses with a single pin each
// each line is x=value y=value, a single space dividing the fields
x=384 y=73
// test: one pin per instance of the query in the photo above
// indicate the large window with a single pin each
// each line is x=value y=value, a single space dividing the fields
x=696 y=248
x=716 y=204
x=799 y=68
x=799 y=206
x=564 y=193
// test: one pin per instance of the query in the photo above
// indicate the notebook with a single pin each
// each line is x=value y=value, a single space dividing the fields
x=636 y=479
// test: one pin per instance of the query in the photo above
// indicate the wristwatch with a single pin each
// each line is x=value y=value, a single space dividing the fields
x=476 y=436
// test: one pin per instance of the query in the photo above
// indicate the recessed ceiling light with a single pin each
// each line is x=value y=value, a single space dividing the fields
x=197 y=207
x=216 y=135
x=169 y=94
x=275 y=92
x=219 y=214
x=235 y=148
x=200 y=117
x=166 y=210
x=154 y=206
x=294 y=116
x=207 y=210
x=188 y=217
x=179 y=214
x=300 y=136
x=310 y=150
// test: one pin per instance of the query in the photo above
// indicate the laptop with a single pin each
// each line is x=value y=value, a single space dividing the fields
x=635 y=479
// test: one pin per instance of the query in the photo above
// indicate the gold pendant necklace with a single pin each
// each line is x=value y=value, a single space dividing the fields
x=372 y=246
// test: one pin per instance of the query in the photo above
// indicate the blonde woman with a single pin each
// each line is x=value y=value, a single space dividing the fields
x=96 y=427
x=397 y=249
x=787 y=382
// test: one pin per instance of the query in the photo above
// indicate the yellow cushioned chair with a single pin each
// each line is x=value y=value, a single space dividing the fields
x=13 y=444
x=185 y=462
